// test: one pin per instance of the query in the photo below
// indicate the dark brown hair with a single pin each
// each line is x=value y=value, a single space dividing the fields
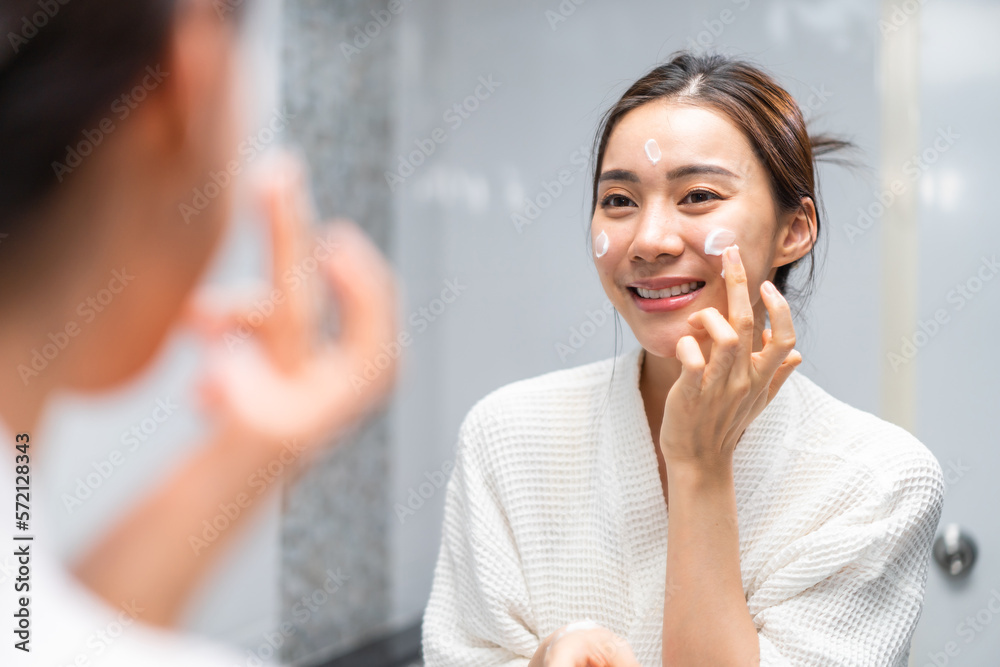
x=764 y=111
x=62 y=64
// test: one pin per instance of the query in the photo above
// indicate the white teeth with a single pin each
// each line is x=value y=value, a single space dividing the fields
x=670 y=291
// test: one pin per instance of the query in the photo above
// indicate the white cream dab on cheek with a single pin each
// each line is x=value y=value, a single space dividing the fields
x=601 y=244
x=653 y=151
x=718 y=240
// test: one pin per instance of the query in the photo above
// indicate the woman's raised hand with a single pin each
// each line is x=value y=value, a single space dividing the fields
x=583 y=644
x=276 y=380
x=711 y=404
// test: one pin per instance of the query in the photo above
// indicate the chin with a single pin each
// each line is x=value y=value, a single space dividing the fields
x=107 y=370
x=660 y=344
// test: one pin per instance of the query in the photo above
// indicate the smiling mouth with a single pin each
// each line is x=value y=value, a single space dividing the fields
x=669 y=292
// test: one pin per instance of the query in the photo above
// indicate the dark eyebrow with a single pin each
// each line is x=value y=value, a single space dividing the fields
x=673 y=174
x=696 y=169
x=619 y=175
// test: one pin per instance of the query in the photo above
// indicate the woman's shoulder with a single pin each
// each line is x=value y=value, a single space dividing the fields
x=556 y=411
x=858 y=438
x=552 y=395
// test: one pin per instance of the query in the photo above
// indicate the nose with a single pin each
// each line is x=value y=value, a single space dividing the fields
x=657 y=234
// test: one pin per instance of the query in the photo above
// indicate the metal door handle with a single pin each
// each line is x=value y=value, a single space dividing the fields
x=955 y=550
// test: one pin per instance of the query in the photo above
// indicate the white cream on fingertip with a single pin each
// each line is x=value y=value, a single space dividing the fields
x=653 y=151
x=723 y=274
x=601 y=244
x=577 y=626
x=717 y=241
x=585 y=624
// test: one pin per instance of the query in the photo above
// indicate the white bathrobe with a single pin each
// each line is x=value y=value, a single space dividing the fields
x=555 y=513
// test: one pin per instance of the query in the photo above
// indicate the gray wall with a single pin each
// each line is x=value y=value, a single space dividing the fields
x=957 y=365
x=335 y=540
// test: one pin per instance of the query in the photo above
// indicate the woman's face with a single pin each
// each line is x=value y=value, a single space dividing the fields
x=657 y=204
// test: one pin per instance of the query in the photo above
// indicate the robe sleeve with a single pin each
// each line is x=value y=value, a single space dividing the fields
x=850 y=592
x=479 y=612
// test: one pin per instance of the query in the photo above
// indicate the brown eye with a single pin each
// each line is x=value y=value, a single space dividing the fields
x=699 y=197
x=616 y=201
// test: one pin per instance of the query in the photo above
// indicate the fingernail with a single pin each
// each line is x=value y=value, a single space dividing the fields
x=770 y=288
x=733 y=253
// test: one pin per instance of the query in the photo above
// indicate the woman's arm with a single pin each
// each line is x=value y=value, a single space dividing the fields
x=705 y=615
x=159 y=553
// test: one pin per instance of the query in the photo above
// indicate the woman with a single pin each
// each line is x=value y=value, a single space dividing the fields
x=111 y=220
x=696 y=501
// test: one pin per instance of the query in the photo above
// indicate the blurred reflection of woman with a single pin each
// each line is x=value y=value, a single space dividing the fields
x=695 y=501
x=72 y=225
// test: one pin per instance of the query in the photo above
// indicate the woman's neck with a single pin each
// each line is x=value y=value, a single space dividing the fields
x=657 y=375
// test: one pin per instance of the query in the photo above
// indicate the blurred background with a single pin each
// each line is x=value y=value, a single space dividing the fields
x=459 y=135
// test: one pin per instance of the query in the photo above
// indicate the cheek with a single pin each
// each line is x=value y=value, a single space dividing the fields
x=717 y=238
x=606 y=255
x=602 y=243
x=757 y=267
x=610 y=243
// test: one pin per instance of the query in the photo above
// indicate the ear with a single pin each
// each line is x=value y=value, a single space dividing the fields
x=797 y=235
x=194 y=69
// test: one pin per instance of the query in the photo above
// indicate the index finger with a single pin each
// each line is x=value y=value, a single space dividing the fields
x=289 y=328
x=740 y=314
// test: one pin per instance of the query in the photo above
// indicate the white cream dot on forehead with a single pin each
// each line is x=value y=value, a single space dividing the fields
x=653 y=151
x=601 y=244
x=718 y=240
